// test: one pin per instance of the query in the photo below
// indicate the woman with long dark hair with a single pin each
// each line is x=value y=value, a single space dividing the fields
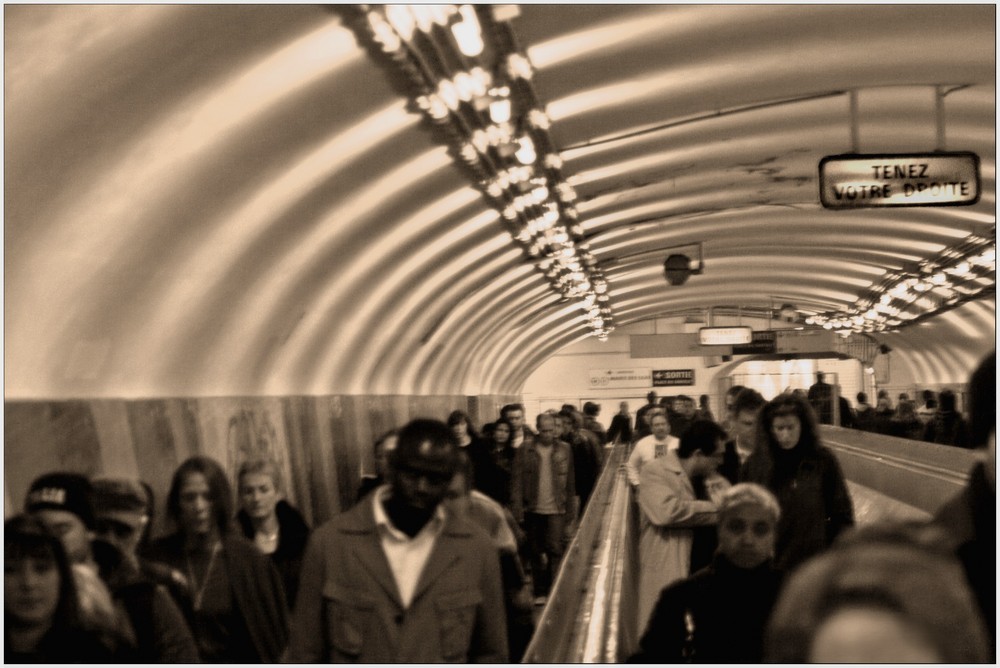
x=790 y=461
x=493 y=462
x=42 y=618
x=236 y=605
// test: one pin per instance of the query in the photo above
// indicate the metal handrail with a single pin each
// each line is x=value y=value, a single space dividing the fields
x=585 y=620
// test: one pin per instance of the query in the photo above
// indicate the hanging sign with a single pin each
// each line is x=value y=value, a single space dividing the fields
x=762 y=342
x=724 y=336
x=933 y=179
x=672 y=377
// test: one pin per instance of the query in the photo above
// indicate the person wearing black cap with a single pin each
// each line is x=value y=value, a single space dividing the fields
x=156 y=624
x=61 y=502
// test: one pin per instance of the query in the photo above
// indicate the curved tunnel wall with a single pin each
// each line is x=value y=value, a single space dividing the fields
x=212 y=209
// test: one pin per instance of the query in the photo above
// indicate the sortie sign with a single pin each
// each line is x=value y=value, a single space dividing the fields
x=672 y=377
x=933 y=179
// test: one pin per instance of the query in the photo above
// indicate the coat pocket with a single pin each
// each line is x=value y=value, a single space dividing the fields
x=345 y=612
x=457 y=614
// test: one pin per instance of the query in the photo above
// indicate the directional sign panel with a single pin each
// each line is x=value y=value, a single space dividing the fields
x=932 y=179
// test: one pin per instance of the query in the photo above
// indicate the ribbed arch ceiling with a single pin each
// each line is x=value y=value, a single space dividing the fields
x=227 y=200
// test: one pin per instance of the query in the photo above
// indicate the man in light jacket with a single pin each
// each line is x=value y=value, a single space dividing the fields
x=669 y=510
x=399 y=578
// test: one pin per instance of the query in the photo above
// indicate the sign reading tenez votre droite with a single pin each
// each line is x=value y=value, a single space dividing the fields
x=933 y=179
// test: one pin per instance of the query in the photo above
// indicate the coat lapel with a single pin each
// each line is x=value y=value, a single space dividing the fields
x=367 y=550
x=445 y=553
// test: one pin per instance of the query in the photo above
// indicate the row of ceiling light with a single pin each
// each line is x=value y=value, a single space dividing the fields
x=474 y=85
x=956 y=274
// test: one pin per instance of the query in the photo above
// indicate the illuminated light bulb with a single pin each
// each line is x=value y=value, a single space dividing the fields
x=553 y=161
x=465 y=86
x=827 y=325
x=568 y=252
x=518 y=66
x=509 y=213
x=922 y=287
x=603 y=298
x=565 y=192
x=961 y=269
x=467 y=32
x=987 y=259
x=550 y=216
x=441 y=14
x=401 y=19
x=493 y=189
x=523 y=236
x=526 y=153
x=539 y=119
x=448 y=93
x=540 y=194
x=384 y=33
x=481 y=141
x=482 y=79
x=423 y=15
x=500 y=111
x=885 y=299
x=576 y=230
x=471 y=156
x=438 y=110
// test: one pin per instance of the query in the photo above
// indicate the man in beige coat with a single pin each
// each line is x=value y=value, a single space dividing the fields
x=669 y=510
x=399 y=578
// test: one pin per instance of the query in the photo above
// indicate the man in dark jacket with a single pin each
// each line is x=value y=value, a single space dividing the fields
x=158 y=627
x=621 y=425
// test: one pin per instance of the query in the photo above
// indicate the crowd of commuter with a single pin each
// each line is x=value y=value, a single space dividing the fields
x=747 y=550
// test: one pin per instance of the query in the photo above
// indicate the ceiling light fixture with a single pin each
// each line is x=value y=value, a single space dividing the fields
x=461 y=66
x=957 y=274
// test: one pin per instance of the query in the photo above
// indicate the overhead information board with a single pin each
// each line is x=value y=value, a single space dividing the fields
x=933 y=179
x=724 y=336
x=762 y=342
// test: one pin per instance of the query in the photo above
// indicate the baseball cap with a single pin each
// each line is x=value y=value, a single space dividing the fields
x=62 y=491
x=120 y=499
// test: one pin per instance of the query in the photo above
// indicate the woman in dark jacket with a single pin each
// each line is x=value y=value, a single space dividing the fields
x=492 y=460
x=718 y=614
x=43 y=622
x=805 y=476
x=236 y=607
x=274 y=525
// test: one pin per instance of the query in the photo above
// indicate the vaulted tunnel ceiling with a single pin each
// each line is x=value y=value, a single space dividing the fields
x=230 y=200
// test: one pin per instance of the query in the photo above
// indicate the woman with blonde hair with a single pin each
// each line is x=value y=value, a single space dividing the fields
x=718 y=614
x=275 y=526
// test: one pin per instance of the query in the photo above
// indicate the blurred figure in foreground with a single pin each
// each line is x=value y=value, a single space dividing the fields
x=42 y=618
x=969 y=521
x=718 y=614
x=881 y=595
